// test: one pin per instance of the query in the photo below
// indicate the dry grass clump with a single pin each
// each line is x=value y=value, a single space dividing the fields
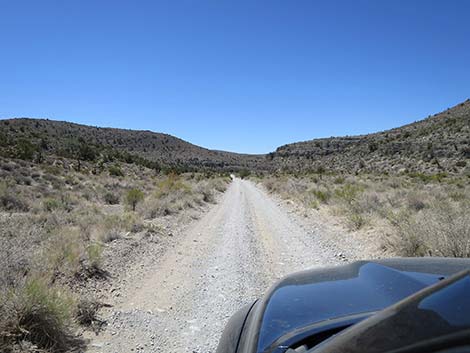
x=426 y=215
x=36 y=317
x=121 y=223
x=10 y=201
x=68 y=253
x=440 y=230
x=176 y=193
x=86 y=312
x=111 y=198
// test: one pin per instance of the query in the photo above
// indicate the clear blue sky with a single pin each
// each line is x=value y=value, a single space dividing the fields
x=240 y=75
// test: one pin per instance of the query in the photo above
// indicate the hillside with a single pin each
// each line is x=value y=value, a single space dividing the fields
x=33 y=138
x=440 y=143
x=437 y=144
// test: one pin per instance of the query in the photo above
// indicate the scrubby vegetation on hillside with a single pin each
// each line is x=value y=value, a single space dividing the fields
x=56 y=221
x=434 y=145
x=412 y=214
x=32 y=139
x=439 y=143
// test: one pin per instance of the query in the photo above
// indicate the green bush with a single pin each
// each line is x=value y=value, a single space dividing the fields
x=111 y=199
x=313 y=204
x=172 y=184
x=339 y=180
x=427 y=178
x=94 y=252
x=322 y=196
x=244 y=173
x=115 y=170
x=133 y=197
x=25 y=150
x=348 y=193
x=50 y=204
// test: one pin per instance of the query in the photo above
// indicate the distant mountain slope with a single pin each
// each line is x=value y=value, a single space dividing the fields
x=59 y=137
x=440 y=143
x=436 y=144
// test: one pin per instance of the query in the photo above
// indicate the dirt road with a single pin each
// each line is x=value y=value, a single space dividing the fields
x=224 y=261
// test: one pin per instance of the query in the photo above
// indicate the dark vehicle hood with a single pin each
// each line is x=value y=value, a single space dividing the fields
x=322 y=295
x=435 y=318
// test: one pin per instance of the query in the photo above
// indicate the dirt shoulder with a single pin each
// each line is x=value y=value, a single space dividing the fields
x=346 y=244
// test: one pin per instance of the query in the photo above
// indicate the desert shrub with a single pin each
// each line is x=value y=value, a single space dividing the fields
x=368 y=203
x=50 y=204
x=173 y=195
x=52 y=169
x=124 y=222
x=71 y=180
x=427 y=178
x=15 y=254
x=440 y=230
x=94 y=252
x=208 y=188
x=220 y=184
x=69 y=253
x=65 y=250
x=409 y=245
x=111 y=198
x=244 y=173
x=457 y=196
x=322 y=195
x=115 y=170
x=348 y=192
x=109 y=236
x=137 y=227
x=339 y=180
x=57 y=183
x=86 y=219
x=394 y=183
x=355 y=220
x=277 y=185
x=415 y=202
x=270 y=184
x=206 y=191
x=86 y=312
x=8 y=166
x=173 y=183
x=111 y=227
x=313 y=204
x=133 y=197
x=23 y=180
x=25 y=149
x=11 y=201
x=38 y=313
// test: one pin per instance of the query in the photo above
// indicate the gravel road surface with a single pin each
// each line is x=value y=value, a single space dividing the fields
x=223 y=261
